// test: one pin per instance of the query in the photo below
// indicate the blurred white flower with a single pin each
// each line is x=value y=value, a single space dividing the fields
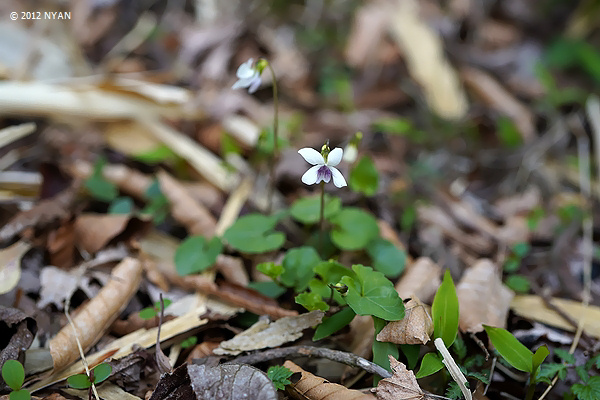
x=323 y=169
x=248 y=77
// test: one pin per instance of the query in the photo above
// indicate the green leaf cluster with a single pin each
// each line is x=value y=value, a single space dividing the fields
x=81 y=381
x=280 y=376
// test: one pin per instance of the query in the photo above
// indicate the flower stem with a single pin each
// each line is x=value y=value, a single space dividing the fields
x=275 y=154
x=322 y=217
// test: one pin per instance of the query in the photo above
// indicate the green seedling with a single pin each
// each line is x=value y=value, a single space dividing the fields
x=517 y=355
x=189 y=342
x=196 y=254
x=280 y=376
x=14 y=376
x=97 y=375
x=152 y=312
x=98 y=186
x=518 y=283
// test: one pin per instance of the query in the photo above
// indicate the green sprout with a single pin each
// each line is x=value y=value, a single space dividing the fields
x=13 y=374
x=152 y=312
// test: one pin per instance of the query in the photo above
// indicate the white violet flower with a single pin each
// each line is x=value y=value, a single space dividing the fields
x=248 y=76
x=323 y=168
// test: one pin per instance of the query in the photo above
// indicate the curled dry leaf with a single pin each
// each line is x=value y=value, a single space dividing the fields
x=94 y=231
x=61 y=245
x=16 y=337
x=415 y=328
x=313 y=387
x=193 y=215
x=421 y=278
x=264 y=334
x=426 y=61
x=10 y=265
x=97 y=315
x=482 y=281
x=401 y=386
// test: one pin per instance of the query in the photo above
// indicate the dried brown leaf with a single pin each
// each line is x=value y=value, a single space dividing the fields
x=311 y=387
x=482 y=281
x=422 y=278
x=193 y=215
x=58 y=285
x=97 y=315
x=264 y=334
x=204 y=349
x=426 y=60
x=61 y=245
x=42 y=214
x=230 y=382
x=232 y=269
x=401 y=386
x=10 y=265
x=415 y=328
x=94 y=231
x=367 y=33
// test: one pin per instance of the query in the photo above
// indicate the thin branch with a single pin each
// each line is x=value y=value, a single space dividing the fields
x=309 y=351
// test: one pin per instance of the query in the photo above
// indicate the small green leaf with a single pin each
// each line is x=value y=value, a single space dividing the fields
x=354 y=229
x=459 y=348
x=189 y=342
x=13 y=374
x=121 y=205
x=453 y=392
x=270 y=269
x=381 y=350
x=591 y=391
x=298 y=265
x=195 y=254
x=147 y=313
x=79 y=381
x=430 y=364
x=254 y=233
x=269 y=289
x=564 y=355
x=508 y=133
x=371 y=293
x=22 y=394
x=396 y=126
x=307 y=209
x=547 y=372
x=510 y=348
x=512 y=264
x=280 y=376
x=334 y=323
x=411 y=352
x=518 y=283
x=521 y=249
x=364 y=177
x=332 y=271
x=445 y=311
x=101 y=189
x=387 y=258
x=101 y=372
x=166 y=303
x=538 y=358
x=311 y=301
x=160 y=153
x=408 y=218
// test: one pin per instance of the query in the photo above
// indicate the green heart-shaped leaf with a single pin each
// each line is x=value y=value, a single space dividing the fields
x=371 y=293
x=364 y=177
x=101 y=372
x=195 y=254
x=299 y=266
x=387 y=258
x=354 y=229
x=254 y=233
x=308 y=209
